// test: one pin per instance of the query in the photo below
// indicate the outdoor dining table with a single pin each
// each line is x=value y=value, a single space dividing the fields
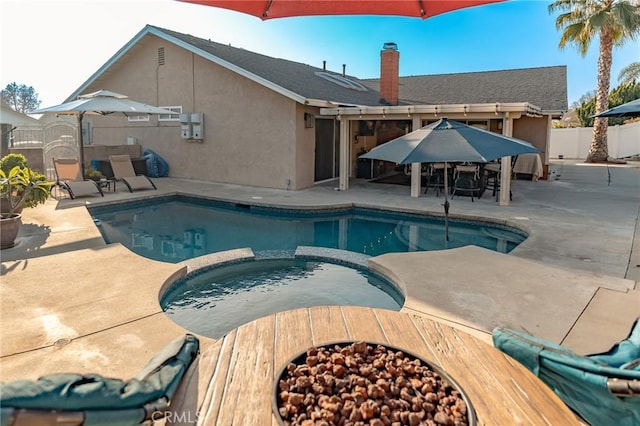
x=233 y=380
x=529 y=164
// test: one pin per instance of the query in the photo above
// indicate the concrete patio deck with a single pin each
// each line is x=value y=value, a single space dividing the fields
x=70 y=302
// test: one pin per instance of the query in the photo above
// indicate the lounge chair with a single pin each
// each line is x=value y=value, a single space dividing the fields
x=69 y=177
x=604 y=389
x=123 y=171
x=73 y=399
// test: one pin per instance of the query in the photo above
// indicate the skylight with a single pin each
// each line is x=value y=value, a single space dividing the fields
x=341 y=81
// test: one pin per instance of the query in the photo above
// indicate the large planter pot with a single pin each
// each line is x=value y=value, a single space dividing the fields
x=5 y=206
x=9 y=227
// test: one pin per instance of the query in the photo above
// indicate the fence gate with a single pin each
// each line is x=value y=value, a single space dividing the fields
x=60 y=140
x=56 y=139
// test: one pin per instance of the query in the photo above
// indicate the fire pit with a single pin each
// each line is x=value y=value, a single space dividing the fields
x=347 y=382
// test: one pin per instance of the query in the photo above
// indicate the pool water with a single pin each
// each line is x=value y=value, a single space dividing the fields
x=215 y=301
x=178 y=228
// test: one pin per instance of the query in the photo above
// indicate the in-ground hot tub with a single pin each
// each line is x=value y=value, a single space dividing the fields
x=214 y=300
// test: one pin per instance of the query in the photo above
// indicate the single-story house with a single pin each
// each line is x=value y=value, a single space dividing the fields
x=9 y=120
x=250 y=119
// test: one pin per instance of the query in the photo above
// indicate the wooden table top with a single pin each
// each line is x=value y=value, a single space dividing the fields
x=232 y=381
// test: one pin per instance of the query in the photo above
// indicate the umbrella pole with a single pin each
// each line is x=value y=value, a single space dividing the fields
x=446 y=203
x=81 y=142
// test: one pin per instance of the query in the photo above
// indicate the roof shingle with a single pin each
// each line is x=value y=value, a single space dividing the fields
x=544 y=87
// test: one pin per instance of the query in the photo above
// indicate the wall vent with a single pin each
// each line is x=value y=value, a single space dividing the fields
x=161 y=56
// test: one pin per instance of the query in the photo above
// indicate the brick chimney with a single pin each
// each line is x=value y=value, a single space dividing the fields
x=389 y=73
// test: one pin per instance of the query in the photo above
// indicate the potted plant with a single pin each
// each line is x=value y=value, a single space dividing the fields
x=93 y=174
x=7 y=163
x=20 y=187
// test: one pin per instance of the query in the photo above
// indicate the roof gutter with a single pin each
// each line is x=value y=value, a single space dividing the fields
x=554 y=113
x=320 y=103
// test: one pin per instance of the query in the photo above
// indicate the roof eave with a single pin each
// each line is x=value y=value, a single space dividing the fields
x=321 y=103
x=554 y=113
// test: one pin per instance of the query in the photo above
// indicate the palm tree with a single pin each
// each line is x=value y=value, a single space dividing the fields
x=615 y=22
x=629 y=74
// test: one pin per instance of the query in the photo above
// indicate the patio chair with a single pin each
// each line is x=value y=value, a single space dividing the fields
x=604 y=389
x=123 y=171
x=435 y=177
x=73 y=399
x=69 y=177
x=493 y=177
x=466 y=180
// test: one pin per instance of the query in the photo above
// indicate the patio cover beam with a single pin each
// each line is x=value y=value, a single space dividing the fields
x=496 y=108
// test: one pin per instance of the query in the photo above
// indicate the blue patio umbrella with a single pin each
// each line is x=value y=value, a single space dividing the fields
x=630 y=109
x=448 y=141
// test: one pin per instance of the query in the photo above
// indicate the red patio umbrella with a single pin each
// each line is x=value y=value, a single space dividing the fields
x=270 y=9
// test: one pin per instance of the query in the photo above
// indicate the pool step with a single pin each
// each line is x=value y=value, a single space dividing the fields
x=606 y=320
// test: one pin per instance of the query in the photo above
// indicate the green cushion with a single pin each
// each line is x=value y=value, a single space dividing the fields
x=74 y=392
x=581 y=382
x=625 y=354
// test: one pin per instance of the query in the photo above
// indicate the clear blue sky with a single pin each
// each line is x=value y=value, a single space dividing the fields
x=56 y=45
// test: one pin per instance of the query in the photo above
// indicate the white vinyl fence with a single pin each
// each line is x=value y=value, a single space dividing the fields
x=624 y=141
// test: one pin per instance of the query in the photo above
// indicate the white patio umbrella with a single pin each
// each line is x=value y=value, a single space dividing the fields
x=449 y=141
x=102 y=102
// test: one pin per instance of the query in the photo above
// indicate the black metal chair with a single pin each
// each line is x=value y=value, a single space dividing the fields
x=493 y=177
x=467 y=180
x=435 y=177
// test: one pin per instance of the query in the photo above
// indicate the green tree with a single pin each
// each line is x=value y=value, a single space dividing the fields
x=20 y=97
x=614 y=22
x=584 y=98
x=629 y=74
x=586 y=109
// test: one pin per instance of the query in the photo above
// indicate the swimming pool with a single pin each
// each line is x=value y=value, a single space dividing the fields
x=176 y=228
x=215 y=300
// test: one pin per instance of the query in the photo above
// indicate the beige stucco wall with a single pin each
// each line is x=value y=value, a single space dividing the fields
x=102 y=152
x=33 y=155
x=250 y=131
x=534 y=130
x=304 y=168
